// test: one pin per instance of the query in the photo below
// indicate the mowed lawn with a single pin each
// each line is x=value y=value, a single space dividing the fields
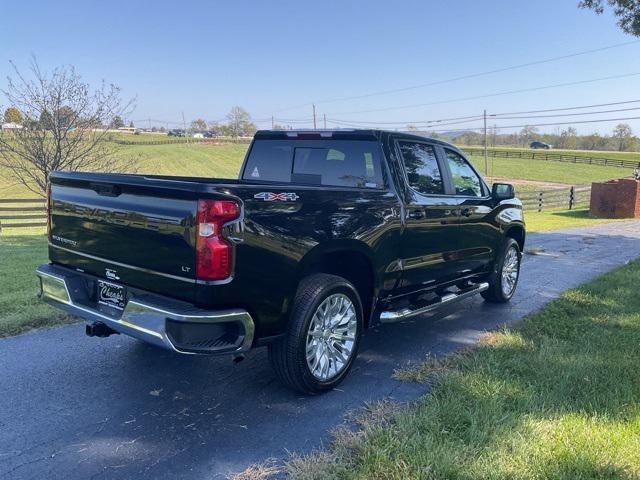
x=548 y=171
x=634 y=156
x=21 y=251
x=556 y=398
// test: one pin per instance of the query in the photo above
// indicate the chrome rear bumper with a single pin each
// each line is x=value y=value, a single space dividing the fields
x=164 y=322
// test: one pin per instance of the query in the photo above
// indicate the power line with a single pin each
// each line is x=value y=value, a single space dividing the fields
x=602 y=120
x=497 y=94
x=475 y=117
x=429 y=124
x=567 y=114
x=461 y=77
x=570 y=108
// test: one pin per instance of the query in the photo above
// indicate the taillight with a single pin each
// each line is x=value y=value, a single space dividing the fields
x=49 y=211
x=214 y=254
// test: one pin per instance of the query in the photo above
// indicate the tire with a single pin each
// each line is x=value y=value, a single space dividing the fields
x=306 y=342
x=500 y=289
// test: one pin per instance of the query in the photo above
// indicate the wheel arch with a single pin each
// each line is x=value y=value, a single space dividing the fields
x=350 y=259
x=517 y=232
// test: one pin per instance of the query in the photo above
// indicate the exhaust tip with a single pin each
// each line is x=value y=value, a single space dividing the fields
x=98 y=329
x=238 y=358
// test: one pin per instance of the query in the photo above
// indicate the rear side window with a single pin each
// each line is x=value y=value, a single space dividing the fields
x=340 y=163
x=422 y=168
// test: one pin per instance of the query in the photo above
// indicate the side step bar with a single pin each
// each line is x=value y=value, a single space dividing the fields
x=398 y=315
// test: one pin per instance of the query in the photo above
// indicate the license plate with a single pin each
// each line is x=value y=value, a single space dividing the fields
x=111 y=295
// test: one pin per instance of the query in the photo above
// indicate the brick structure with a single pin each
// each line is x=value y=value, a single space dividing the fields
x=616 y=199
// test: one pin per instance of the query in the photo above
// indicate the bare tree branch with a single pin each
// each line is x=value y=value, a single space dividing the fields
x=65 y=126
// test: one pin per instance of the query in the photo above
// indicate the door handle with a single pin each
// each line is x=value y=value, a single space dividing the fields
x=466 y=212
x=416 y=214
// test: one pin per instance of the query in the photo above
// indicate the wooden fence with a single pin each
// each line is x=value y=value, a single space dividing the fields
x=23 y=212
x=555 y=156
x=181 y=140
x=565 y=198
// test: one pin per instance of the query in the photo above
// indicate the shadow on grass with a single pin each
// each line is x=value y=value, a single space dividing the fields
x=557 y=398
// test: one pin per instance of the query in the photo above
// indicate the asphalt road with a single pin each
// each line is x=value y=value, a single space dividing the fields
x=73 y=407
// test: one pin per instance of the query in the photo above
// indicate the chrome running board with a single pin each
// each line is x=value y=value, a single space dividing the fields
x=398 y=315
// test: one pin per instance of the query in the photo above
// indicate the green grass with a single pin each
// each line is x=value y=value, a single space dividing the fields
x=635 y=156
x=557 y=398
x=560 y=219
x=21 y=251
x=194 y=159
x=548 y=171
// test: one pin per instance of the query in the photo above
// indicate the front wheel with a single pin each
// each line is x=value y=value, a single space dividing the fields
x=504 y=280
x=322 y=337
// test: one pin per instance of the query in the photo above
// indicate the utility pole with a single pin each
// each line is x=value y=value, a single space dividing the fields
x=314 y=115
x=184 y=125
x=486 y=166
x=324 y=117
x=272 y=123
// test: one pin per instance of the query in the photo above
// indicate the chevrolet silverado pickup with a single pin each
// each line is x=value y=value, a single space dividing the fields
x=323 y=235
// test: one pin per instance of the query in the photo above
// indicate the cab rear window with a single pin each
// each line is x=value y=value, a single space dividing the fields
x=341 y=163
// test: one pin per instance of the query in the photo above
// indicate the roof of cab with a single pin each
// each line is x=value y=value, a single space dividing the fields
x=342 y=133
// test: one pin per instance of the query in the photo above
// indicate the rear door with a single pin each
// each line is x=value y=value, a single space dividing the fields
x=427 y=257
x=478 y=237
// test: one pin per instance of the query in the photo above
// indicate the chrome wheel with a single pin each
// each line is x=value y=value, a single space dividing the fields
x=331 y=337
x=510 y=271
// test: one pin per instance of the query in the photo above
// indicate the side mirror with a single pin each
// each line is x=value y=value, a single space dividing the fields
x=502 y=191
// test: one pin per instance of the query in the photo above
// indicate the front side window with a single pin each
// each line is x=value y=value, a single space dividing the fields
x=422 y=168
x=465 y=180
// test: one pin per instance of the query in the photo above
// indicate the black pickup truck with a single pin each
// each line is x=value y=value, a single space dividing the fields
x=325 y=234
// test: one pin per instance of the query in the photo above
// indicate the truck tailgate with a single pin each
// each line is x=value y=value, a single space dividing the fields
x=128 y=229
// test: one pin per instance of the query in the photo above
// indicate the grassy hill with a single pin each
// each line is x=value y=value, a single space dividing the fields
x=224 y=160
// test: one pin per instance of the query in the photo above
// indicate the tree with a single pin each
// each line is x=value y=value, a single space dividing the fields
x=593 y=142
x=239 y=123
x=624 y=136
x=527 y=134
x=568 y=138
x=627 y=11
x=60 y=114
x=198 y=125
x=131 y=125
x=12 y=115
x=116 y=122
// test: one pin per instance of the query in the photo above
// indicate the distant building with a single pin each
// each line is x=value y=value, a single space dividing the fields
x=10 y=126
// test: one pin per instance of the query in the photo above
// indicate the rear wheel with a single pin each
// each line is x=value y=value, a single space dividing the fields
x=504 y=280
x=323 y=335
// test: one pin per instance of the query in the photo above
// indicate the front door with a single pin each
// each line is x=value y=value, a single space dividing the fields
x=478 y=238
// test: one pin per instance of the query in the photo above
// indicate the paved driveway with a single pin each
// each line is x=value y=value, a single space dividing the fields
x=73 y=407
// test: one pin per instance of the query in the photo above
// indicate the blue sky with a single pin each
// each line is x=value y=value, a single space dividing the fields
x=203 y=57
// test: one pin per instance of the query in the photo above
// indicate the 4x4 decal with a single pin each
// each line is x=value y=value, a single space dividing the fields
x=276 y=197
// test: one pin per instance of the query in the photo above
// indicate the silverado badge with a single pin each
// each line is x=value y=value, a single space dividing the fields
x=276 y=197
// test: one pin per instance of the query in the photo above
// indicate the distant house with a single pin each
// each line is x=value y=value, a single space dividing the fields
x=127 y=129
x=10 y=126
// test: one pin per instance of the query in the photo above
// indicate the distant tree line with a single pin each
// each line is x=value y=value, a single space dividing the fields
x=621 y=139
